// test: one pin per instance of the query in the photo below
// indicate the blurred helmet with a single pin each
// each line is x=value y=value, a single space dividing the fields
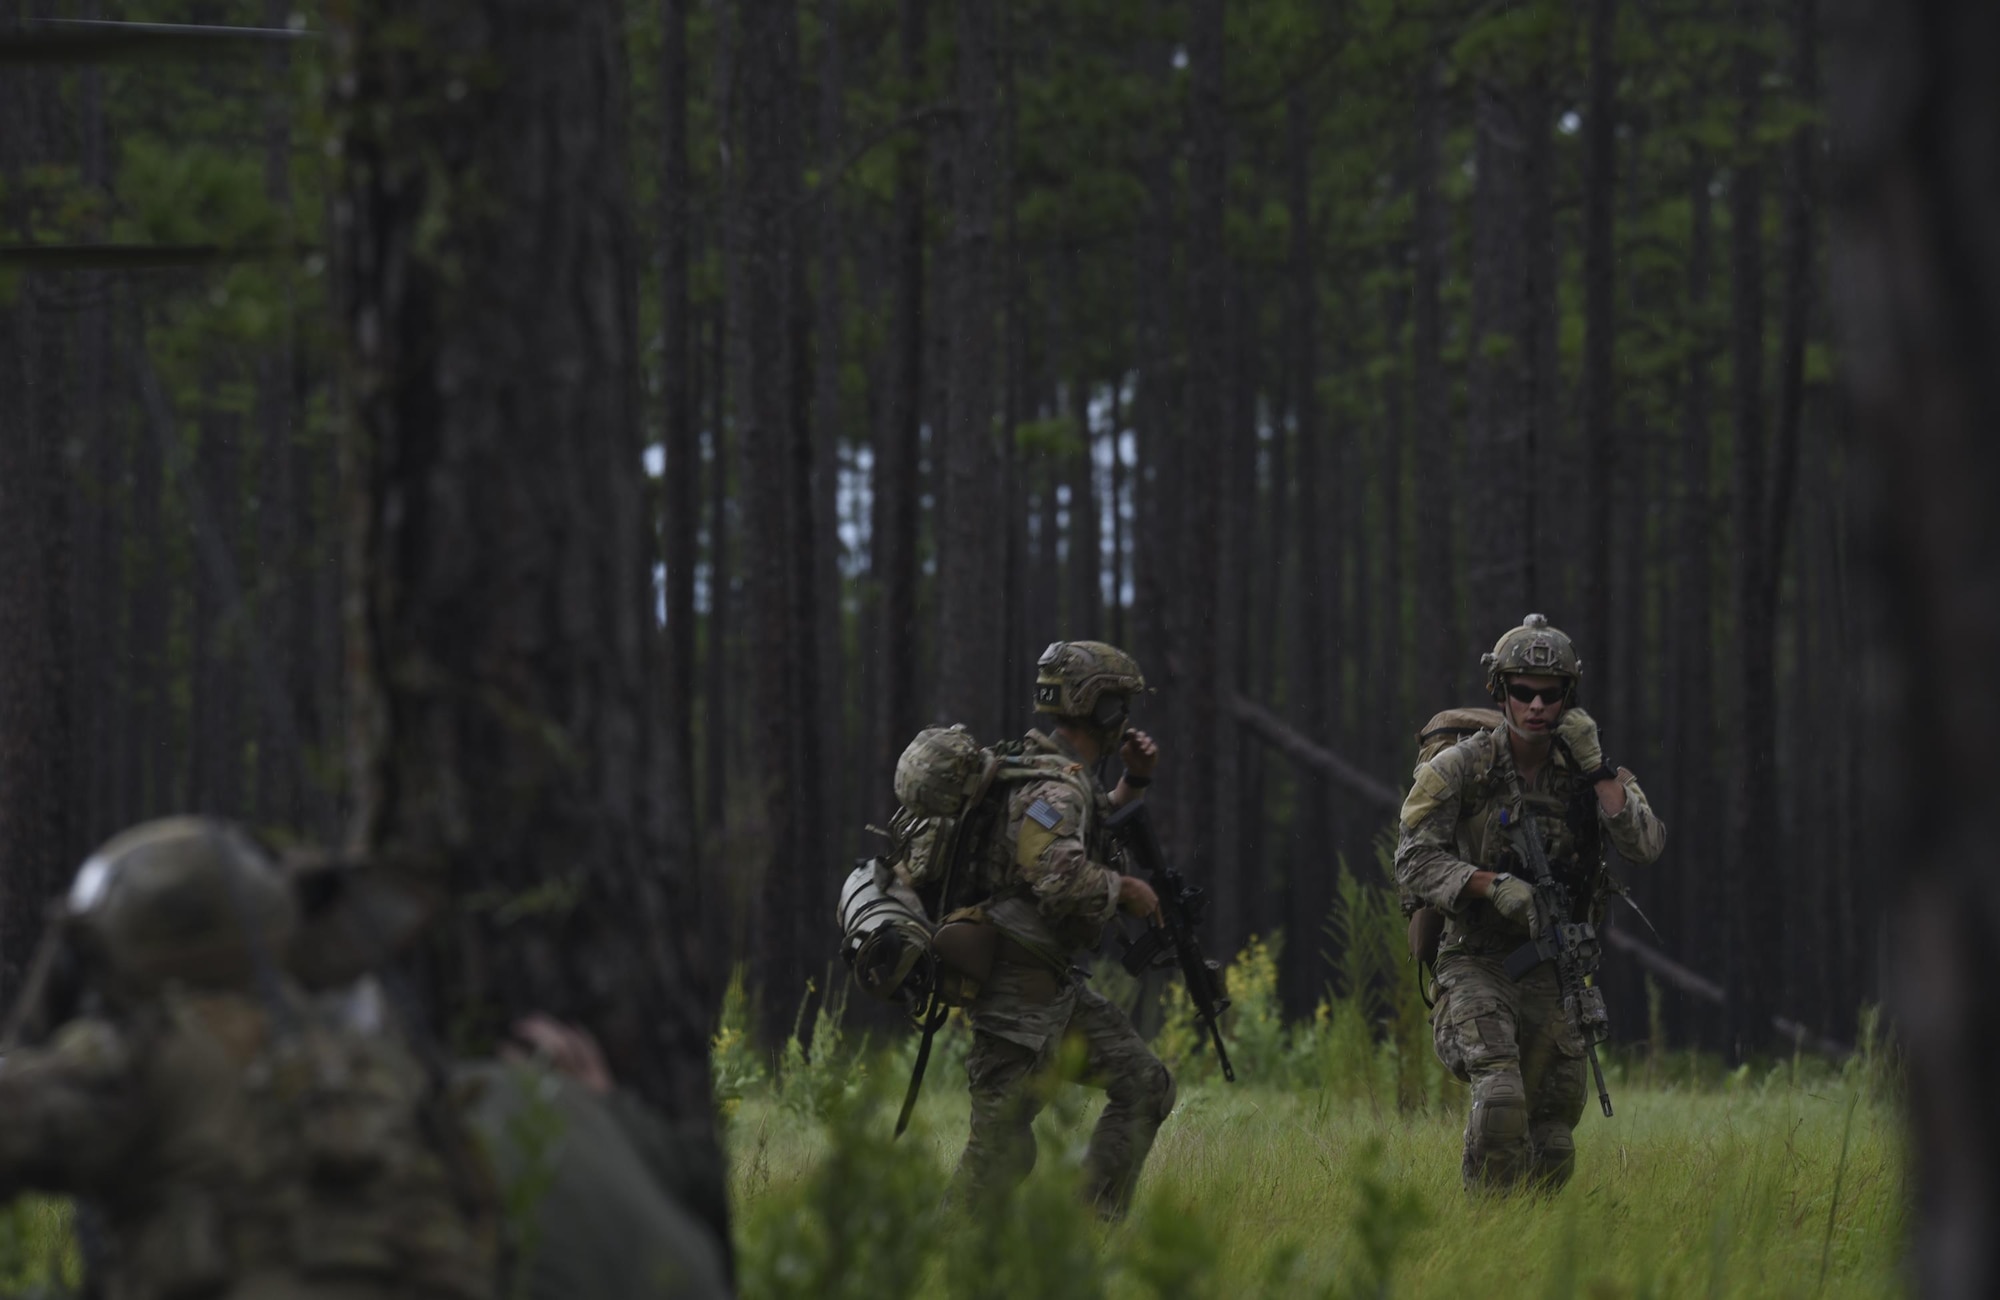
x=1089 y=680
x=188 y=899
x=1534 y=648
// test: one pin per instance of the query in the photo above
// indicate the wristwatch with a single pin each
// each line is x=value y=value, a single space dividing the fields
x=1604 y=772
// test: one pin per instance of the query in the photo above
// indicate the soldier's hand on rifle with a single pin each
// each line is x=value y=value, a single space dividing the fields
x=1514 y=899
x=1137 y=897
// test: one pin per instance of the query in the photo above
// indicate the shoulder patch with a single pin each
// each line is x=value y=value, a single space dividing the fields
x=1041 y=811
x=1427 y=791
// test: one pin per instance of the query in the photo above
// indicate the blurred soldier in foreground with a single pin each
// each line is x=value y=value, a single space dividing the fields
x=595 y=1178
x=1531 y=794
x=237 y=1134
x=1049 y=892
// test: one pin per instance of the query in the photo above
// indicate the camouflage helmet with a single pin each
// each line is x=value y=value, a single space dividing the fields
x=936 y=771
x=1534 y=647
x=189 y=899
x=1073 y=678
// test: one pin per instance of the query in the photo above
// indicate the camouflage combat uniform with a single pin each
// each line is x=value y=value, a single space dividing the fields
x=1052 y=895
x=231 y=1156
x=237 y=1136
x=1510 y=1040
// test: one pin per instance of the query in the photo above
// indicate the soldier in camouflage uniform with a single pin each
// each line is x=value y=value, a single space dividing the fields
x=1512 y=1041
x=238 y=1137
x=1052 y=890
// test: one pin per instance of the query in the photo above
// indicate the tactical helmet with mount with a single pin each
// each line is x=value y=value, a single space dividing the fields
x=1088 y=680
x=1534 y=648
x=188 y=899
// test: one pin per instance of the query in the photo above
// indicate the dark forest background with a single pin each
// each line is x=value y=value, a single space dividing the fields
x=1301 y=348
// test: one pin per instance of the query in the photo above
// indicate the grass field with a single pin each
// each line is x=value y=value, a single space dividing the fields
x=1330 y=1171
x=1787 y=1186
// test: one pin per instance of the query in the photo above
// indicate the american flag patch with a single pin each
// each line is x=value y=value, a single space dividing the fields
x=1047 y=817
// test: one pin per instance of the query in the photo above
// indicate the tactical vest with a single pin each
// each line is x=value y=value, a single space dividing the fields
x=291 y=1152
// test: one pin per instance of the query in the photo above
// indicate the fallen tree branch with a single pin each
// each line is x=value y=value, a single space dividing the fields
x=1307 y=753
x=1708 y=990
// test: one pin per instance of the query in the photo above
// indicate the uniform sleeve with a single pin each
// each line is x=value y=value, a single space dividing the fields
x=1638 y=834
x=1427 y=862
x=1046 y=819
x=73 y=1111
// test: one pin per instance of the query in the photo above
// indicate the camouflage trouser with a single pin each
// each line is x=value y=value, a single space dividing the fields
x=1019 y=1026
x=1524 y=1059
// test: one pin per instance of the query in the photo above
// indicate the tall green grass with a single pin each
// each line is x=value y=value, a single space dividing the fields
x=1331 y=1170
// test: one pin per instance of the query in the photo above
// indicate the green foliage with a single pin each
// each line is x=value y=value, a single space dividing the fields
x=734 y=1066
x=1261 y=1190
x=862 y=1223
x=1056 y=436
x=38 y=1257
x=820 y=1074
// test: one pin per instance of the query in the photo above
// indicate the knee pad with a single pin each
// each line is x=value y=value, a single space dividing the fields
x=1497 y=1131
x=1555 y=1155
x=1499 y=1109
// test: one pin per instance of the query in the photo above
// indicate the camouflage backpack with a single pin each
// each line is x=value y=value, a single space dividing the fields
x=1451 y=726
x=1426 y=924
x=952 y=797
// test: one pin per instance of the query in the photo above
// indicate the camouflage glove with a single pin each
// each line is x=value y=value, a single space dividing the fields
x=1578 y=730
x=1514 y=899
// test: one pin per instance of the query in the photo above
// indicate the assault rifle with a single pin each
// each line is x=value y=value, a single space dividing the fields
x=1174 y=941
x=1571 y=944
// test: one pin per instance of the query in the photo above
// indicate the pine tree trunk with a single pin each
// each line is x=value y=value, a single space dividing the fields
x=1694 y=737
x=1920 y=270
x=1754 y=890
x=822 y=543
x=1600 y=339
x=94 y=575
x=1207 y=733
x=897 y=495
x=974 y=526
x=1308 y=885
x=1156 y=485
x=680 y=511
x=775 y=493
x=1440 y=645
x=1498 y=396
x=505 y=668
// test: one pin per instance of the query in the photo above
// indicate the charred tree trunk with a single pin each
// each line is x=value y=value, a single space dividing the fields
x=1600 y=337
x=1440 y=646
x=1695 y=740
x=1308 y=885
x=974 y=527
x=775 y=491
x=680 y=495
x=1207 y=735
x=35 y=838
x=822 y=543
x=506 y=734
x=1499 y=396
x=1754 y=889
x=898 y=489
x=1920 y=271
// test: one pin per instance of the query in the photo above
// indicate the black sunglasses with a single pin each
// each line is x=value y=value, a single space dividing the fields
x=1529 y=694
